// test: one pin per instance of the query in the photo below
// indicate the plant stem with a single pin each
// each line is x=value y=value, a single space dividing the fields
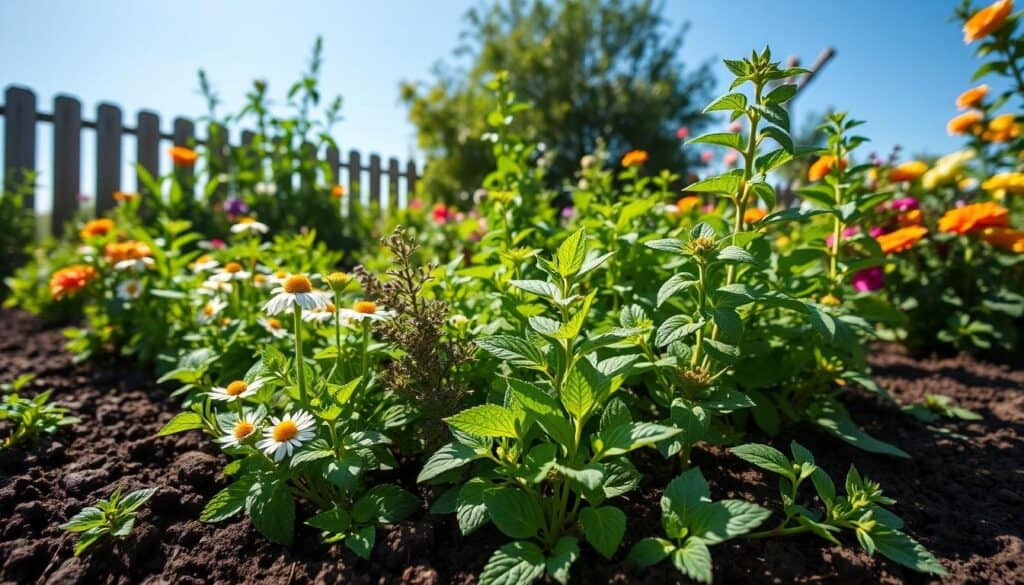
x=303 y=397
x=775 y=532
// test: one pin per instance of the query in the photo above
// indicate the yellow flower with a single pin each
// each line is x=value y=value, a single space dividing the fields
x=1002 y=128
x=964 y=123
x=972 y=97
x=908 y=171
x=1006 y=182
x=947 y=169
x=987 y=20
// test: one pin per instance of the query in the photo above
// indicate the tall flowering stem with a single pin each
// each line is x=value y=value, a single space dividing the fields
x=303 y=397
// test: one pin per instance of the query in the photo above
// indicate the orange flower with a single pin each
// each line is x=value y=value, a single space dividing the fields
x=127 y=250
x=987 y=20
x=70 y=280
x=908 y=171
x=1002 y=128
x=687 y=203
x=183 y=156
x=754 y=215
x=912 y=217
x=337 y=192
x=964 y=123
x=121 y=196
x=1005 y=238
x=635 y=158
x=972 y=97
x=822 y=166
x=901 y=239
x=972 y=217
x=96 y=228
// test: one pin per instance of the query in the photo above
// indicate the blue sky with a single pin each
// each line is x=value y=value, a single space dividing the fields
x=900 y=64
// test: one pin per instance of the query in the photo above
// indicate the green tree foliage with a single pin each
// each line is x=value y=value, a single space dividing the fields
x=608 y=69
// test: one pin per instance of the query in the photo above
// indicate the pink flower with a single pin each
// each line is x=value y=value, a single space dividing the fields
x=903 y=204
x=875 y=232
x=707 y=156
x=440 y=213
x=708 y=208
x=416 y=204
x=683 y=133
x=869 y=279
x=736 y=126
x=730 y=159
x=847 y=233
x=568 y=212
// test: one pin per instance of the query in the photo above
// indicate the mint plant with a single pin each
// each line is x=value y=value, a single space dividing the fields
x=551 y=451
x=861 y=509
x=692 y=523
x=30 y=417
x=114 y=517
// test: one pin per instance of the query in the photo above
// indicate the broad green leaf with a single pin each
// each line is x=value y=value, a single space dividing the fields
x=577 y=395
x=470 y=510
x=272 y=510
x=571 y=254
x=90 y=517
x=673 y=245
x=720 y=521
x=604 y=528
x=541 y=288
x=229 y=501
x=675 y=328
x=451 y=456
x=563 y=555
x=834 y=418
x=183 y=421
x=361 y=542
x=631 y=436
x=516 y=563
x=735 y=254
x=727 y=139
x=727 y=184
x=650 y=551
x=765 y=457
x=694 y=560
x=385 y=503
x=335 y=521
x=728 y=102
x=675 y=284
x=515 y=350
x=514 y=512
x=906 y=551
x=485 y=420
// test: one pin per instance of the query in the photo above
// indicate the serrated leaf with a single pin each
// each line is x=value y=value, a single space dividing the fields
x=183 y=421
x=650 y=551
x=604 y=528
x=451 y=456
x=485 y=420
x=727 y=139
x=727 y=184
x=516 y=563
x=563 y=555
x=674 y=285
x=514 y=512
x=631 y=436
x=694 y=559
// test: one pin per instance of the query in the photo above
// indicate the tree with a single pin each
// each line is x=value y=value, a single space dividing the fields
x=608 y=69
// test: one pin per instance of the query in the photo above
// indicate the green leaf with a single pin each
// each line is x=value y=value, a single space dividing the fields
x=361 y=542
x=676 y=284
x=673 y=245
x=728 y=139
x=345 y=471
x=485 y=420
x=577 y=395
x=515 y=350
x=229 y=501
x=628 y=437
x=727 y=184
x=765 y=457
x=571 y=254
x=906 y=551
x=540 y=288
x=183 y=421
x=516 y=563
x=563 y=555
x=385 y=503
x=470 y=510
x=514 y=512
x=335 y=521
x=781 y=94
x=650 y=551
x=272 y=510
x=133 y=500
x=834 y=418
x=780 y=136
x=694 y=560
x=604 y=528
x=720 y=521
x=451 y=456
x=675 y=328
x=735 y=254
x=728 y=102
x=88 y=538
x=90 y=517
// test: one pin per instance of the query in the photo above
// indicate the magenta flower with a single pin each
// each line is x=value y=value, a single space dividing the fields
x=707 y=156
x=869 y=279
x=847 y=233
x=904 y=204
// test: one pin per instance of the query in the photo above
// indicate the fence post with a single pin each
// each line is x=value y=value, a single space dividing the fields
x=392 y=184
x=19 y=139
x=147 y=146
x=375 y=173
x=410 y=182
x=108 y=156
x=67 y=160
x=355 y=174
x=184 y=131
x=333 y=160
x=217 y=142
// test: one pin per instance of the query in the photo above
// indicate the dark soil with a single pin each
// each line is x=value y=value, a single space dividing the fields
x=962 y=497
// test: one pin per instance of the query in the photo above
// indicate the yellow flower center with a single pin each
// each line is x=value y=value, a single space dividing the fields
x=243 y=429
x=273 y=323
x=366 y=307
x=330 y=308
x=285 y=431
x=297 y=283
x=208 y=310
x=259 y=279
x=237 y=387
x=203 y=259
x=132 y=288
x=338 y=278
x=280 y=274
x=247 y=220
x=232 y=267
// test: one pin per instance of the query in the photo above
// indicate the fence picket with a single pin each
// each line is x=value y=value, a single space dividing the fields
x=375 y=173
x=147 y=144
x=108 y=155
x=184 y=133
x=355 y=173
x=392 y=184
x=19 y=138
x=67 y=157
x=410 y=182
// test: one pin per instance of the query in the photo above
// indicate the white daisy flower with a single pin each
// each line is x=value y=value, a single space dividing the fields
x=210 y=311
x=273 y=327
x=277 y=278
x=243 y=427
x=295 y=290
x=237 y=390
x=287 y=434
x=211 y=287
x=135 y=264
x=130 y=289
x=204 y=263
x=231 y=271
x=321 y=316
x=366 y=310
x=249 y=225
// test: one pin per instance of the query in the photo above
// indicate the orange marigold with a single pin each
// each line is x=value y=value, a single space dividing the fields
x=972 y=97
x=1005 y=238
x=687 y=203
x=987 y=20
x=1002 y=128
x=70 y=280
x=127 y=250
x=121 y=196
x=976 y=216
x=901 y=239
x=964 y=123
x=183 y=156
x=337 y=192
x=908 y=171
x=912 y=217
x=635 y=158
x=754 y=215
x=97 y=227
x=822 y=166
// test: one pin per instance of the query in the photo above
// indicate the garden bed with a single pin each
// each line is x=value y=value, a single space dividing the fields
x=960 y=496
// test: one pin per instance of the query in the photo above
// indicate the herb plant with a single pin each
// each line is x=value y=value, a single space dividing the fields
x=114 y=517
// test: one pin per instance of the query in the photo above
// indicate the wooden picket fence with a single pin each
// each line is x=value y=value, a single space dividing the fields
x=22 y=118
